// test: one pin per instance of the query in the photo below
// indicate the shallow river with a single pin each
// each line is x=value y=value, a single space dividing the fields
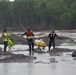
x=44 y=64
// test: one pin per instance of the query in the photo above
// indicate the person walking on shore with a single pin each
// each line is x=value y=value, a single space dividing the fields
x=5 y=39
x=29 y=36
x=52 y=37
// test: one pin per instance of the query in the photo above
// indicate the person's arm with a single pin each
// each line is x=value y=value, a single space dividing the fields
x=32 y=34
x=24 y=34
x=60 y=37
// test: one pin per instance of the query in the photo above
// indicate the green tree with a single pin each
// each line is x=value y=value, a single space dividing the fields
x=73 y=14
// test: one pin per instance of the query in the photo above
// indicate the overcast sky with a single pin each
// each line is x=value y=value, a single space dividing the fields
x=11 y=0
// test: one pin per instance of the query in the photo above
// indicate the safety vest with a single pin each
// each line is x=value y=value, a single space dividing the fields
x=4 y=36
x=29 y=35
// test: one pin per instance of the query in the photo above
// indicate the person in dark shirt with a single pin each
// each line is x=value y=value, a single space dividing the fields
x=29 y=36
x=52 y=37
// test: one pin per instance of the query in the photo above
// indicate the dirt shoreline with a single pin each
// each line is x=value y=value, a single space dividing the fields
x=8 y=57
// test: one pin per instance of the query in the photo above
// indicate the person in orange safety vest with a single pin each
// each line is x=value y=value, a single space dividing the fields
x=29 y=36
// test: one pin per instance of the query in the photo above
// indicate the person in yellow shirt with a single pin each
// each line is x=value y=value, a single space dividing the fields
x=5 y=39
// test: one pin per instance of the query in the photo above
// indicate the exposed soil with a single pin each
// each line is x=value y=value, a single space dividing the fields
x=6 y=57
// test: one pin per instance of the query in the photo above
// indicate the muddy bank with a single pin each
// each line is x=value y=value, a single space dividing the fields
x=58 y=51
x=54 y=52
x=21 y=40
x=17 y=58
x=8 y=57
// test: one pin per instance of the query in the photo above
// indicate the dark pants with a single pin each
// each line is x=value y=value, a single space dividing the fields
x=31 y=44
x=51 y=42
x=5 y=45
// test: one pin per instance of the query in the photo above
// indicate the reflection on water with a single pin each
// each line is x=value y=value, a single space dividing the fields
x=43 y=65
x=61 y=68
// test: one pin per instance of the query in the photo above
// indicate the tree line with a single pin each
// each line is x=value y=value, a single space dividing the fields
x=38 y=14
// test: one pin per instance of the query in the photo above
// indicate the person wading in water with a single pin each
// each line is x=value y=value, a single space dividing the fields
x=52 y=37
x=29 y=36
x=5 y=39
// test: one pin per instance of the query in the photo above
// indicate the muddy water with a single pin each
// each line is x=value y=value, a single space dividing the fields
x=45 y=64
x=61 y=68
